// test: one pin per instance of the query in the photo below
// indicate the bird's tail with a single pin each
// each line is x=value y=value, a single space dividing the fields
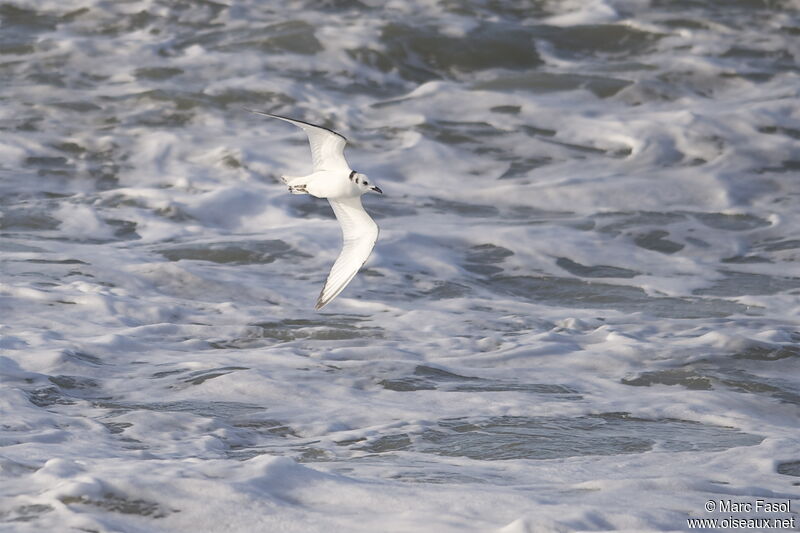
x=288 y=180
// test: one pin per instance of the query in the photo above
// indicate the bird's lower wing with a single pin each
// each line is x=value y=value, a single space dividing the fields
x=359 y=233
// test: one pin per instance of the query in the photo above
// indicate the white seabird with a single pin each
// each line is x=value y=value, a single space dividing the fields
x=333 y=179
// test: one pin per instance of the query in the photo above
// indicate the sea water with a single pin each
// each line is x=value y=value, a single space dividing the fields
x=581 y=313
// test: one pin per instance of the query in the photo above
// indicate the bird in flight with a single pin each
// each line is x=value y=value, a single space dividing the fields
x=333 y=179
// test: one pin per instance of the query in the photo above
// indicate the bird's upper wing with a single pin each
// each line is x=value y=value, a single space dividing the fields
x=327 y=146
x=359 y=233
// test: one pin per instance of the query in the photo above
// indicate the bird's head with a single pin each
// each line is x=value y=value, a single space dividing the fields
x=363 y=183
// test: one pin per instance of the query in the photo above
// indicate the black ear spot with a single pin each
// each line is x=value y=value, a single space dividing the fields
x=352 y=174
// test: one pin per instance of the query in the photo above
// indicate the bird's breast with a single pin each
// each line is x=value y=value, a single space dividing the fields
x=328 y=184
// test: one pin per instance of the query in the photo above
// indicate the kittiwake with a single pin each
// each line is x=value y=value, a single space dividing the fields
x=333 y=179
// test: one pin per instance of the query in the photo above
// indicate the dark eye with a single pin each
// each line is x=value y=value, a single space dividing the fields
x=365 y=183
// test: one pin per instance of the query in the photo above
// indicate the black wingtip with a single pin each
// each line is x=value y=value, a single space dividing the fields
x=321 y=302
x=257 y=112
x=296 y=120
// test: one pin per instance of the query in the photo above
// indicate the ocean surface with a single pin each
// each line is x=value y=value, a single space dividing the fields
x=582 y=313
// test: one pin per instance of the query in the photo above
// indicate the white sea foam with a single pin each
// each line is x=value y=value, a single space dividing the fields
x=582 y=312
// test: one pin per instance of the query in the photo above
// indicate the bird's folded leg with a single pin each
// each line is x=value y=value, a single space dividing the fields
x=298 y=189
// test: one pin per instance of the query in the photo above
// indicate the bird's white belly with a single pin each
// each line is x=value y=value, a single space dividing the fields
x=331 y=184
